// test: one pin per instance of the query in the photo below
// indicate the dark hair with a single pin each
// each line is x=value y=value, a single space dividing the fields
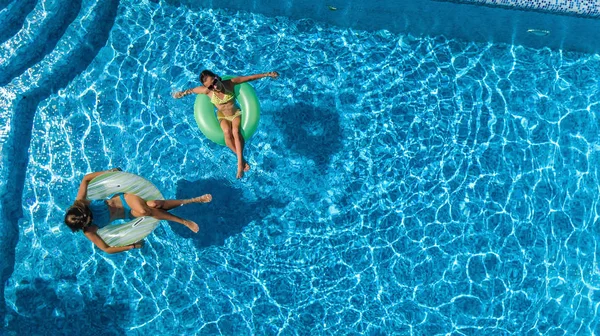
x=206 y=73
x=78 y=216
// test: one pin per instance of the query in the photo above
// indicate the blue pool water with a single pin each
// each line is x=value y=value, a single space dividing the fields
x=399 y=185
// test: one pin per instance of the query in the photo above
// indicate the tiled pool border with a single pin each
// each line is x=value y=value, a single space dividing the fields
x=587 y=8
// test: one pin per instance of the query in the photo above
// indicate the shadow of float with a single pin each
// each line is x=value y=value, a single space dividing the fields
x=311 y=131
x=227 y=214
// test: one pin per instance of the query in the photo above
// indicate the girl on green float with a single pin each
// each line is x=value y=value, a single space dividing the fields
x=221 y=94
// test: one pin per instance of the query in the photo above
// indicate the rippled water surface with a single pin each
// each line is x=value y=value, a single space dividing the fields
x=399 y=185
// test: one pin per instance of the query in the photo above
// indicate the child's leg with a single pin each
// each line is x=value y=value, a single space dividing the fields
x=139 y=208
x=171 y=204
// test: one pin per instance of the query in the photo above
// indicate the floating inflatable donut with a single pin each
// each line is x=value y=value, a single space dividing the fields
x=204 y=113
x=133 y=231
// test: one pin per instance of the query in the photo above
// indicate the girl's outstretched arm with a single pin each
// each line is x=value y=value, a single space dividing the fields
x=94 y=238
x=244 y=79
x=196 y=90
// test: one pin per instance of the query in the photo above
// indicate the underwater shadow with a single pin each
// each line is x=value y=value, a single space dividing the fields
x=43 y=312
x=19 y=139
x=222 y=218
x=311 y=131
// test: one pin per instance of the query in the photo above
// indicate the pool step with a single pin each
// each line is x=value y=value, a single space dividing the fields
x=74 y=51
x=44 y=27
x=5 y=3
x=12 y=17
x=72 y=54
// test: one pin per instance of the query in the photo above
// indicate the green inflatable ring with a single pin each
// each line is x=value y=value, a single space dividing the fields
x=204 y=113
x=104 y=186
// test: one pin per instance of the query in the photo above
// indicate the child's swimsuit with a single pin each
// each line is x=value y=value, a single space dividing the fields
x=221 y=116
x=218 y=101
x=101 y=212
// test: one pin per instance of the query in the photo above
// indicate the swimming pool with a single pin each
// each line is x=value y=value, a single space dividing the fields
x=399 y=185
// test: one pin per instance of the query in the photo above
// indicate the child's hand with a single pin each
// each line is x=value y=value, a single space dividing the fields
x=273 y=74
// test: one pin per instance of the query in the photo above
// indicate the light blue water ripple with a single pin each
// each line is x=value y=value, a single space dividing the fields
x=456 y=193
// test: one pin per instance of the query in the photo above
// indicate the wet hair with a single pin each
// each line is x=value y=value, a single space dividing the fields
x=78 y=216
x=207 y=73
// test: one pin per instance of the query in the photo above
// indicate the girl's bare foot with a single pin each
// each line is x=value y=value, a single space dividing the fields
x=241 y=168
x=191 y=225
x=246 y=166
x=200 y=199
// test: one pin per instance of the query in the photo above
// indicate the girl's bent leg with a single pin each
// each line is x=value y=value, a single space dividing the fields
x=226 y=127
x=171 y=204
x=163 y=215
x=139 y=208
x=239 y=146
